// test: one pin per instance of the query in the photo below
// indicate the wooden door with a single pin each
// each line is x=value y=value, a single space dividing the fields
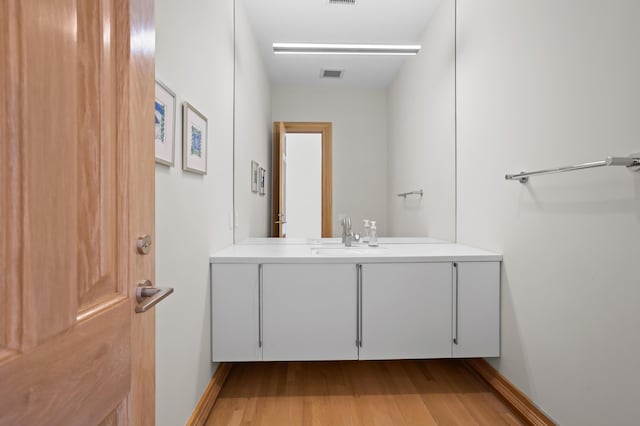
x=76 y=190
x=279 y=217
x=309 y=312
x=279 y=174
x=406 y=311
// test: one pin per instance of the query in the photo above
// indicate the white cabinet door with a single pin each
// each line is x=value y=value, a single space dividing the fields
x=234 y=304
x=309 y=312
x=406 y=311
x=477 y=310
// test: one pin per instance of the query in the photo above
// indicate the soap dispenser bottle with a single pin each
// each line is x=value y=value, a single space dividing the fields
x=365 y=231
x=373 y=235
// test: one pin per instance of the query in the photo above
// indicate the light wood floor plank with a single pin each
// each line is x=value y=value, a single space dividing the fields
x=357 y=393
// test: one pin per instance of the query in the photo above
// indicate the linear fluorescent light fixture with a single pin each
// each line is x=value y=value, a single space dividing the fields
x=344 y=49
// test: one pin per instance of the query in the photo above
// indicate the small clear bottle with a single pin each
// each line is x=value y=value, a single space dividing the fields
x=373 y=235
x=365 y=231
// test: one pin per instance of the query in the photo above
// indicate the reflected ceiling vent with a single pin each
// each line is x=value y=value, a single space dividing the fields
x=342 y=2
x=332 y=73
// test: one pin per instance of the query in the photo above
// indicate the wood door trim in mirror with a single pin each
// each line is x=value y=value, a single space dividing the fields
x=327 y=172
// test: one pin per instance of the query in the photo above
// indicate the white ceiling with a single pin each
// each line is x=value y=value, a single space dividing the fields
x=317 y=21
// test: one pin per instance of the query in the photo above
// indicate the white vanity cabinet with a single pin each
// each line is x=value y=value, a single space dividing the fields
x=293 y=302
x=234 y=313
x=309 y=312
x=405 y=310
x=476 y=316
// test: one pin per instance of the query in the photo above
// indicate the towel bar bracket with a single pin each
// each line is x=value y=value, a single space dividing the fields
x=635 y=167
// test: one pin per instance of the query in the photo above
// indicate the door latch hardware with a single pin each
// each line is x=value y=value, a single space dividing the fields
x=148 y=296
x=144 y=244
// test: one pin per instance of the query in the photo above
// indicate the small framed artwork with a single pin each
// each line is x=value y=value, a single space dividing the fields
x=261 y=181
x=165 y=124
x=254 y=176
x=194 y=140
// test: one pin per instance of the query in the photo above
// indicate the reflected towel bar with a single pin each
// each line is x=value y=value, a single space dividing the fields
x=416 y=192
x=632 y=162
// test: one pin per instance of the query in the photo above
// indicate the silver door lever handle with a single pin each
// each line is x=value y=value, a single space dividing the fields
x=148 y=296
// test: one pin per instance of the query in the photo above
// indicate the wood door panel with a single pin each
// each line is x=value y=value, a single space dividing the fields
x=110 y=420
x=45 y=111
x=4 y=178
x=97 y=147
x=58 y=384
x=10 y=191
x=62 y=179
x=76 y=109
x=117 y=417
x=140 y=159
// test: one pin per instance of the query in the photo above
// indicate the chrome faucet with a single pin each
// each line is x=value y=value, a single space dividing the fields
x=347 y=235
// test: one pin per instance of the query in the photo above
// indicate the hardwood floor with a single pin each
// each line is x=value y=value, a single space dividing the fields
x=367 y=393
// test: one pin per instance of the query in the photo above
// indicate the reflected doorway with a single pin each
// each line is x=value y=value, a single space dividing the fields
x=302 y=180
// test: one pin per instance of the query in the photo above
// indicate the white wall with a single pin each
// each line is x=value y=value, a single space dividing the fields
x=253 y=131
x=359 y=118
x=422 y=134
x=303 y=187
x=545 y=83
x=194 y=57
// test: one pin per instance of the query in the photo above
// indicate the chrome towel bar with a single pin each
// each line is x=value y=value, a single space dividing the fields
x=632 y=162
x=416 y=192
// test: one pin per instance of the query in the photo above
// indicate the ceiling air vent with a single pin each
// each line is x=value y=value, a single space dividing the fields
x=332 y=73
x=342 y=1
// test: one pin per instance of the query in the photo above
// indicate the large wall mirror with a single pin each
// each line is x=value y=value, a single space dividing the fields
x=319 y=137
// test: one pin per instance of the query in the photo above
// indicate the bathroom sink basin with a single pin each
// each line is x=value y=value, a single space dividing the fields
x=348 y=251
x=326 y=242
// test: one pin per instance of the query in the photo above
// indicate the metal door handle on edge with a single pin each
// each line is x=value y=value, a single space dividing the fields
x=148 y=296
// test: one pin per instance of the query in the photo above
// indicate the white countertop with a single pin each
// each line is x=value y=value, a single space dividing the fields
x=303 y=252
x=337 y=240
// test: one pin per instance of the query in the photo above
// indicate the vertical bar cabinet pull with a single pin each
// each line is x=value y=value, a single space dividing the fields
x=455 y=305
